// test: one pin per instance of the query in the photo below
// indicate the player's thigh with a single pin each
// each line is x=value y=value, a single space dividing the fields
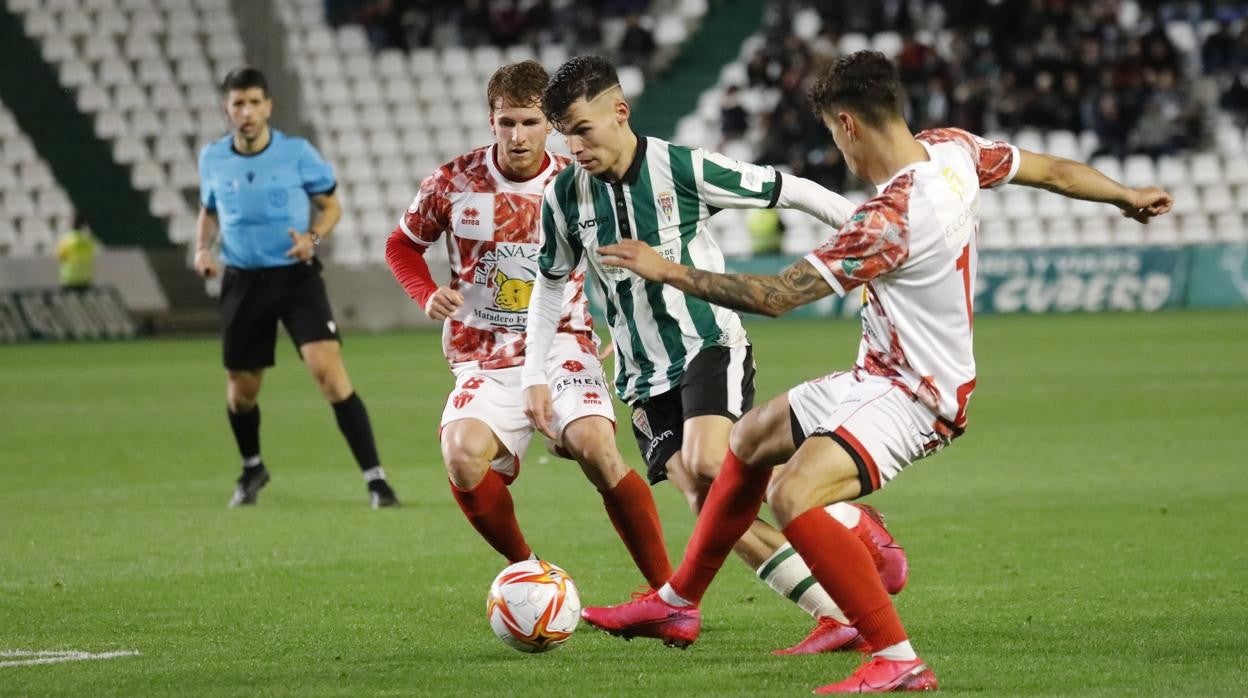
x=764 y=437
x=820 y=472
x=880 y=426
x=659 y=429
x=493 y=398
x=716 y=390
x=578 y=387
x=249 y=315
x=704 y=445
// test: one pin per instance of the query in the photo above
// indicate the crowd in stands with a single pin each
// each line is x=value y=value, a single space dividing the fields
x=408 y=24
x=1105 y=66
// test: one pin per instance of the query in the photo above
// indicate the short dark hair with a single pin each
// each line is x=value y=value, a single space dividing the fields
x=865 y=83
x=245 y=78
x=517 y=85
x=581 y=76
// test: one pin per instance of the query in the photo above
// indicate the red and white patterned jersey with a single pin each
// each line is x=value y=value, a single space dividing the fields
x=912 y=248
x=493 y=245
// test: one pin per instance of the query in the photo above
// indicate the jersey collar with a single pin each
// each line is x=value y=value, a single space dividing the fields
x=634 y=169
x=491 y=163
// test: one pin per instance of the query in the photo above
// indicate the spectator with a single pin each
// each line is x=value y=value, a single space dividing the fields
x=76 y=253
x=637 y=44
x=733 y=119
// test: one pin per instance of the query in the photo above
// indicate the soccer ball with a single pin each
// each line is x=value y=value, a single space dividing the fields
x=533 y=606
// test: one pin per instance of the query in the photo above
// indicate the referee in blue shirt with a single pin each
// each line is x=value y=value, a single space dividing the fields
x=257 y=189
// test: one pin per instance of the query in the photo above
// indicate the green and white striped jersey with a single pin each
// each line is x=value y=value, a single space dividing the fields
x=664 y=199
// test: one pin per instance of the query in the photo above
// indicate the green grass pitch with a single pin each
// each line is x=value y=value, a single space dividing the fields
x=1087 y=536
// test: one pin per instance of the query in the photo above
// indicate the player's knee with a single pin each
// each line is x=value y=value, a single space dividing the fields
x=752 y=438
x=789 y=498
x=702 y=466
x=594 y=449
x=464 y=469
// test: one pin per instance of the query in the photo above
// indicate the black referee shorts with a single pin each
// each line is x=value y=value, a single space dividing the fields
x=719 y=380
x=253 y=301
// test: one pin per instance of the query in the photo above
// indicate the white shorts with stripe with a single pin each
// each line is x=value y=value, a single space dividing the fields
x=578 y=389
x=882 y=426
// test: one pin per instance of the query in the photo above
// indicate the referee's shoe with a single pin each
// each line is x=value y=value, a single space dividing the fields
x=380 y=495
x=249 y=485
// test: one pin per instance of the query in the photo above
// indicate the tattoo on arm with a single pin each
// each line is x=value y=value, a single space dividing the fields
x=799 y=284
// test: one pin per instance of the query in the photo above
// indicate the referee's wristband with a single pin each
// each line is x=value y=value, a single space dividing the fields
x=316 y=239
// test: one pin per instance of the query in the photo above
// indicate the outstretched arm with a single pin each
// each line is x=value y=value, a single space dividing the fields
x=772 y=296
x=1080 y=181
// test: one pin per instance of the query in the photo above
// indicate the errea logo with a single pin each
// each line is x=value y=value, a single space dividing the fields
x=471 y=216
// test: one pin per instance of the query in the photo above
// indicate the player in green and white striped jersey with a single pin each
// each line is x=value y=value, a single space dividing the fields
x=684 y=366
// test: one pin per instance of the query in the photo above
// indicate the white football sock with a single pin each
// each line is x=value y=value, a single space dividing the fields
x=252 y=462
x=671 y=598
x=899 y=652
x=847 y=514
x=377 y=473
x=787 y=575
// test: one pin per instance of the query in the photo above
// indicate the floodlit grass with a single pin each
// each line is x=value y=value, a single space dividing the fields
x=1086 y=537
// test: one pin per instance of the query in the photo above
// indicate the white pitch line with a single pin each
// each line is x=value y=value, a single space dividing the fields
x=32 y=657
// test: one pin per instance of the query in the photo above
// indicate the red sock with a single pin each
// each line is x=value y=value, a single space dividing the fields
x=731 y=506
x=843 y=567
x=630 y=505
x=489 y=509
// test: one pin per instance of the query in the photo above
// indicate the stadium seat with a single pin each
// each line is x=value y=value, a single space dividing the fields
x=1229 y=227
x=110 y=124
x=1228 y=139
x=167 y=202
x=1028 y=233
x=129 y=149
x=93 y=98
x=1139 y=171
x=1063 y=144
x=1217 y=198
x=1235 y=170
x=147 y=175
x=1018 y=204
x=76 y=73
x=1095 y=232
x=1063 y=233
x=1172 y=171
x=1193 y=229
x=887 y=43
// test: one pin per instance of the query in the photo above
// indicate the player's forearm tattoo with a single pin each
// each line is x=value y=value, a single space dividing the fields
x=754 y=293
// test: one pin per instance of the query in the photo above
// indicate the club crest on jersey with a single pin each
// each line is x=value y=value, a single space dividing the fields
x=642 y=422
x=666 y=200
x=462 y=399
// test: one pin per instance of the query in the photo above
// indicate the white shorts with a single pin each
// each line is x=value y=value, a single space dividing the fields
x=882 y=427
x=578 y=389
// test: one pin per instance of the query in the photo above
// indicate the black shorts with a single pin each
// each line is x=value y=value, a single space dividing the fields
x=253 y=301
x=719 y=380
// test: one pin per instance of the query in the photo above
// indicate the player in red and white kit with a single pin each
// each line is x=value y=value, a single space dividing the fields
x=488 y=204
x=911 y=249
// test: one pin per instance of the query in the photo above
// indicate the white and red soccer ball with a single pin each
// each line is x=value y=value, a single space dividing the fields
x=533 y=606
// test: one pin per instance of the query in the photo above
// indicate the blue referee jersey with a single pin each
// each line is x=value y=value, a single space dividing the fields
x=259 y=197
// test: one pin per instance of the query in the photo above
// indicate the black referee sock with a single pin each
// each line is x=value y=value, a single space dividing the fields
x=246 y=426
x=354 y=424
